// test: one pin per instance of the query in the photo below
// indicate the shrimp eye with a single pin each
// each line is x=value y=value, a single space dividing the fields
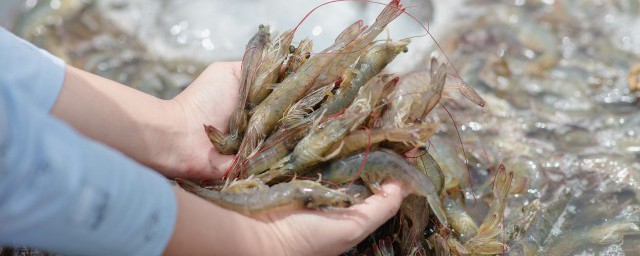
x=405 y=49
x=308 y=201
x=307 y=55
x=260 y=26
x=292 y=48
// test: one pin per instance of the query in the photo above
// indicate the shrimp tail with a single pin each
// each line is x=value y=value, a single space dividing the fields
x=226 y=144
x=351 y=32
x=390 y=12
x=193 y=188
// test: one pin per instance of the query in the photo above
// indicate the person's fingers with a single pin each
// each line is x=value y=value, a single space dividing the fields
x=362 y=219
x=219 y=163
x=379 y=208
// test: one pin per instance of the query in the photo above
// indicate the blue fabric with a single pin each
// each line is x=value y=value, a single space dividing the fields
x=38 y=73
x=63 y=192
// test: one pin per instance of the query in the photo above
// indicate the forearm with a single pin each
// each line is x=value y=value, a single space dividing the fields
x=62 y=192
x=203 y=228
x=131 y=121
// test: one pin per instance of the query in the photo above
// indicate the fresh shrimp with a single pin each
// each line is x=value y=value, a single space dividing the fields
x=368 y=65
x=360 y=139
x=237 y=124
x=269 y=69
x=610 y=232
x=461 y=223
x=360 y=45
x=381 y=165
x=275 y=148
x=298 y=56
x=414 y=209
x=450 y=162
x=427 y=164
x=486 y=241
x=266 y=115
x=540 y=228
x=414 y=96
x=296 y=194
x=313 y=148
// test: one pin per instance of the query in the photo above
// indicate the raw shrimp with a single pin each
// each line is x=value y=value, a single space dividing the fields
x=269 y=69
x=298 y=56
x=487 y=240
x=360 y=44
x=414 y=210
x=296 y=194
x=414 y=96
x=370 y=64
x=427 y=164
x=381 y=165
x=237 y=124
x=461 y=223
x=361 y=139
x=313 y=148
x=266 y=115
x=540 y=227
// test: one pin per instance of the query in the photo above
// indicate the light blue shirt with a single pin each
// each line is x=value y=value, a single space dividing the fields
x=59 y=190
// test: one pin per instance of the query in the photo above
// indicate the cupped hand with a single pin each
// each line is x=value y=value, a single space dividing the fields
x=331 y=232
x=209 y=99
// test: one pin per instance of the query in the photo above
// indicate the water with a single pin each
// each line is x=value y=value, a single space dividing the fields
x=559 y=111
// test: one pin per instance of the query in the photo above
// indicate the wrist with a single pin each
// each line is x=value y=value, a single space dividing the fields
x=168 y=139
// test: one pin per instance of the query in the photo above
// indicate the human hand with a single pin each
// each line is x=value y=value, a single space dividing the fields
x=203 y=228
x=210 y=99
x=307 y=232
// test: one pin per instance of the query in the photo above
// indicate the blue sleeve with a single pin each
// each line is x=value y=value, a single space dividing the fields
x=36 y=72
x=62 y=192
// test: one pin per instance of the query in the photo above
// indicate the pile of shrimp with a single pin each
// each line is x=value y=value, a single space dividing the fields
x=324 y=130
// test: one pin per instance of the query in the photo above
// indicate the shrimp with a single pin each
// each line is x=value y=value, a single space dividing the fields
x=431 y=168
x=610 y=232
x=414 y=96
x=368 y=65
x=313 y=148
x=485 y=241
x=298 y=56
x=450 y=162
x=540 y=227
x=381 y=165
x=461 y=223
x=414 y=209
x=296 y=194
x=361 y=139
x=265 y=116
x=361 y=43
x=269 y=69
x=229 y=144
